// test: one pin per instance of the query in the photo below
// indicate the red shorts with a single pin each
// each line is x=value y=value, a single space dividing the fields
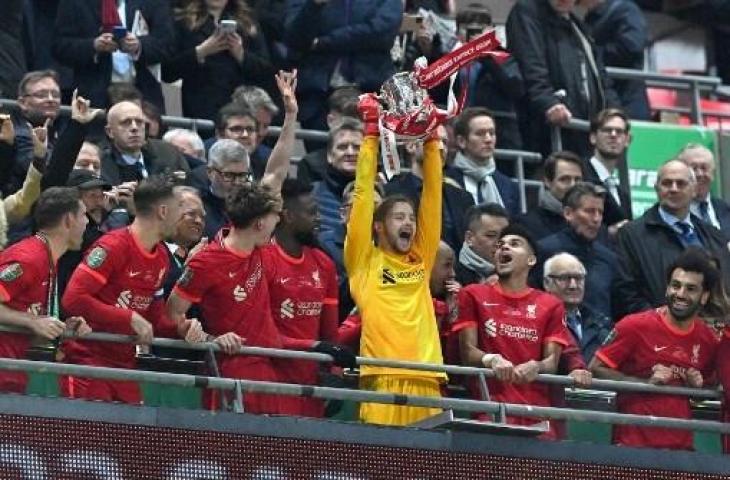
x=97 y=389
x=245 y=368
x=12 y=382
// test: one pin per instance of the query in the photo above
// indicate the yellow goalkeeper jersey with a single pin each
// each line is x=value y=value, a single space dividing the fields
x=392 y=291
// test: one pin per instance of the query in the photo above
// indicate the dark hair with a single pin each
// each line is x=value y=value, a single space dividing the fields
x=194 y=14
x=475 y=212
x=345 y=124
x=231 y=110
x=36 y=76
x=151 y=192
x=53 y=204
x=461 y=124
x=343 y=100
x=123 y=92
x=388 y=203
x=474 y=13
x=152 y=112
x=249 y=202
x=520 y=231
x=293 y=188
x=551 y=163
x=607 y=114
x=696 y=260
x=575 y=193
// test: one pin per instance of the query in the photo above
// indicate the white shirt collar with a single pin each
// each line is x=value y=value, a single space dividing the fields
x=600 y=169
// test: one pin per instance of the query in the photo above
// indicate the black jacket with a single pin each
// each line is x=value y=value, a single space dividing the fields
x=551 y=58
x=79 y=23
x=647 y=247
x=455 y=203
x=722 y=212
x=208 y=86
x=12 y=55
x=541 y=223
x=620 y=31
x=507 y=188
x=159 y=157
x=612 y=211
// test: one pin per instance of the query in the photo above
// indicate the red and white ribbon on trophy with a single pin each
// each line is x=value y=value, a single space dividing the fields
x=411 y=114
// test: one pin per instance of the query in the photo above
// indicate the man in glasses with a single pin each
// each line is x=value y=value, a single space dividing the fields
x=649 y=244
x=610 y=136
x=583 y=212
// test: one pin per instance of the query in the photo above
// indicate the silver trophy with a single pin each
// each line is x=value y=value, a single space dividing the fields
x=402 y=95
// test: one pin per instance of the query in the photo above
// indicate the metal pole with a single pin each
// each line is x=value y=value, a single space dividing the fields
x=555 y=139
x=696 y=104
x=521 y=183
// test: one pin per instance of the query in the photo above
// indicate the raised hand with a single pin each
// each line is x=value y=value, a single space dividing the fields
x=369 y=108
x=287 y=83
x=40 y=139
x=7 y=130
x=81 y=110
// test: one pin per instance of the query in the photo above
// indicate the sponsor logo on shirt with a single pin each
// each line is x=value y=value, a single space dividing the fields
x=407 y=276
x=517 y=332
x=287 y=309
x=129 y=301
x=309 y=309
x=490 y=326
x=388 y=277
x=239 y=294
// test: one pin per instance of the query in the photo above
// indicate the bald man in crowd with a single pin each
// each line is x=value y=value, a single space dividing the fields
x=648 y=245
x=128 y=159
x=712 y=210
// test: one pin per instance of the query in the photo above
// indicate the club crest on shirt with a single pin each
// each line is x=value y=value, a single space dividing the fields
x=695 y=354
x=11 y=272
x=96 y=257
x=185 y=278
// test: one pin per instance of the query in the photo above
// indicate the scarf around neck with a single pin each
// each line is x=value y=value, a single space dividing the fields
x=482 y=178
x=548 y=201
x=471 y=260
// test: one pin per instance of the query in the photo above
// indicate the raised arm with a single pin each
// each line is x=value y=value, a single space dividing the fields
x=277 y=167
x=428 y=233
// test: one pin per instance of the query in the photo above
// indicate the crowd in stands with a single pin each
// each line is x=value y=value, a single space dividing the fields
x=114 y=223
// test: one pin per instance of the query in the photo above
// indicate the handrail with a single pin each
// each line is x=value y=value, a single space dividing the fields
x=606 y=385
x=633 y=74
x=365 y=396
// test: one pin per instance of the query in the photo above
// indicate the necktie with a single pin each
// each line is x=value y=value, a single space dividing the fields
x=141 y=170
x=705 y=212
x=687 y=235
x=611 y=183
x=575 y=325
x=480 y=195
x=109 y=15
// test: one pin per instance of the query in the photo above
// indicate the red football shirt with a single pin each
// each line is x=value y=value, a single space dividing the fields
x=24 y=278
x=232 y=293
x=118 y=276
x=637 y=343
x=303 y=297
x=517 y=326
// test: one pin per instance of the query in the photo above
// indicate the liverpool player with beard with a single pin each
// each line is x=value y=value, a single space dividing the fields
x=669 y=345
x=226 y=279
x=513 y=329
x=303 y=287
x=389 y=279
x=118 y=288
x=28 y=280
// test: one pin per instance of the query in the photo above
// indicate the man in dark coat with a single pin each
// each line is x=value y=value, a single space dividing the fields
x=562 y=72
x=648 y=245
x=12 y=56
x=85 y=43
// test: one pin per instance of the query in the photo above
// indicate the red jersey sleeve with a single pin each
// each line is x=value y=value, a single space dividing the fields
x=194 y=282
x=555 y=329
x=349 y=332
x=571 y=358
x=330 y=312
x=17 y=277
x=468 y=310
x=81 y=295
x=618 y=345
x=162 y=324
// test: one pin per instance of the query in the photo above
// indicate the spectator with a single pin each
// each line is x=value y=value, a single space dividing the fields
x=302 y=283
x=561 y=171
x=564 y=77
x=341 y=103
x=665 y=346
x=456 y=201
x=128 y=158
x=484 y=223
x=583 y=210
x=610 y=136
x=27 y=276
x=89 y=158
x=712 y=210
x=515 y=330
x=565 y=277
x=648 y=245
x=212 y=61
x=336 y=44
x=723 y=374
x=620 y=32
x=12 y=57
x=333 y=243
x=85 y=42
x=474 y=168
x=342 y=157
x=155 y=128
x=263 y=107
x=109 y=289
x=189 y=144
x=39 y=101
x=389 y=253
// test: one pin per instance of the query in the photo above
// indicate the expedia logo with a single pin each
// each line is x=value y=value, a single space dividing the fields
x=388 y=277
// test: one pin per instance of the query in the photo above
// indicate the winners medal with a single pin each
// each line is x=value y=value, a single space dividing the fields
x=409 y=113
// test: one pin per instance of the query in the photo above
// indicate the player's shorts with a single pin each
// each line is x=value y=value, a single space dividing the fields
x=97 y=389
x=385 y=414
x=245 y=368
x=13 y=382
